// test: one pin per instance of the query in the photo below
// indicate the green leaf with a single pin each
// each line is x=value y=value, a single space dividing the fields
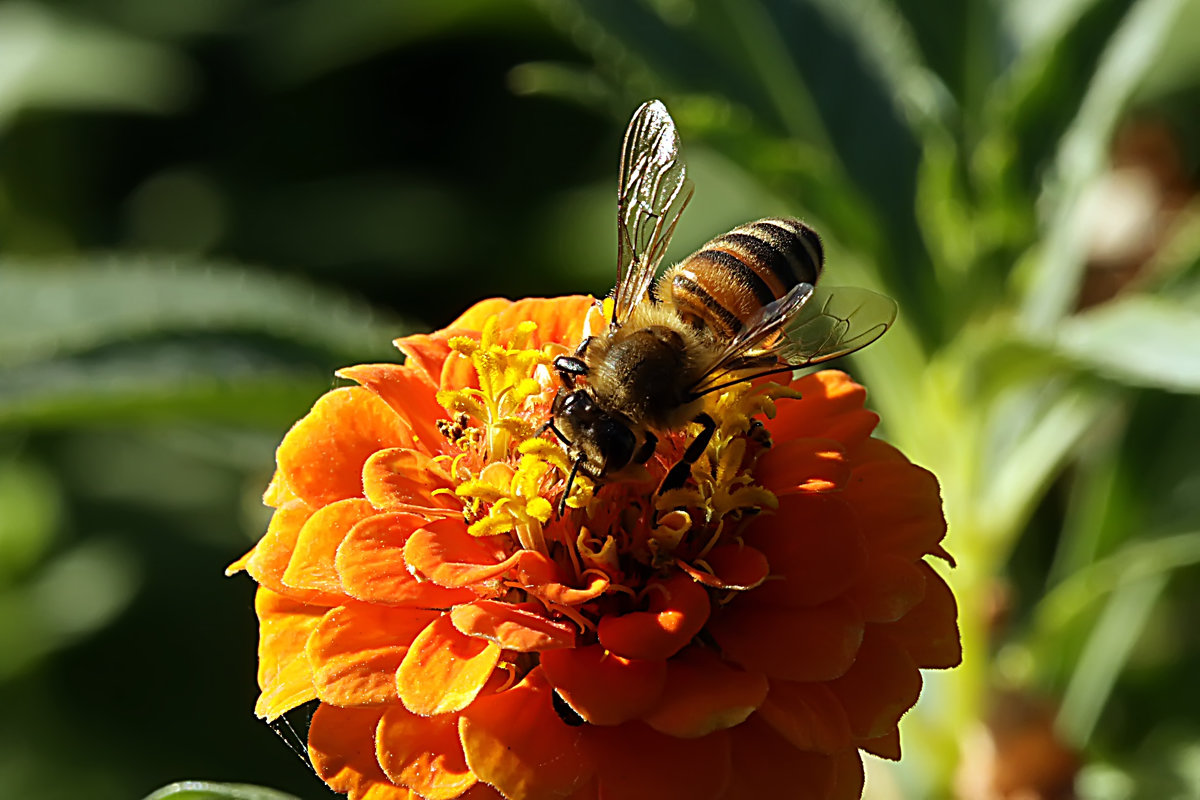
x=207 y=790
x=54 y=309
x=1140 y=341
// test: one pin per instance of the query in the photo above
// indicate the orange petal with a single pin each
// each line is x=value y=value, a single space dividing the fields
x=848 y=776
x=930 y=631
x=899 y=506
x=813 y=543
x=636 y=762
x=411 y=395
x=269 y=558
x=474 y=317
x=401 y=476
x=765 y=765
x=559 y=319
x=370 y=564
x=312 y=565
x=423 y=753
x=341 y=744
x=522 y=627
x=602 y=687
x=888 y=588
x=426 y=352
x=515 y=741
x=738 y=566
x=356 y=650
x=808 y=715
x=278 y=492
x=882 y=684
x=284 y=674
x=373 y=790
x=886 y=746
x=803 y=465
x=705 y=694
x=676 y=613
x=800 y=644
x=444 y=670
x=322 y=456
x=831 y=408
x=446 y=554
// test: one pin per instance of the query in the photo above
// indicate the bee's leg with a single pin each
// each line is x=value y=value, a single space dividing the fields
x=646 y=450
x=578 y=467
x=569 y=368
x=679 y=473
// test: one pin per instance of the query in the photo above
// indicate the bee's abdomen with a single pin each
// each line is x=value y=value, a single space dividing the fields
x=726 y=281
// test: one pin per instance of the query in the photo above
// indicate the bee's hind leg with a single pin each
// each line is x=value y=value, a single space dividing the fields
x=680 y=472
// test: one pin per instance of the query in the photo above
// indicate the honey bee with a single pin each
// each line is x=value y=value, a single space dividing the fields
x=743 y=306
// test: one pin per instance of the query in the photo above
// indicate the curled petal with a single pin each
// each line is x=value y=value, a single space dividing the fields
x=767 y=765
x=423 y=753
x=677 y=612
x=808 y=715
x=444 y=670
x=446 y=554
x=882 y=684
x=312 y=565
x=515 y=741
x=705 y=694
x=341 y=744
x=735 y=567
x=370 y=564
x=284 y=675
x=410 y=395
x=356 y=650
x=814 y=545
x=831 y=407
x=929 y=632
x=602 y=687
x=401 y=476
x=801 y=644
x=322 y=456
x=636 y=762
x=426 y=352
x=269 y=559
x=803 y=465
x=523 y=627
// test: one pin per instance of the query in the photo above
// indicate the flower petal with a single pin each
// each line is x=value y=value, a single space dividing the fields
x=888 y=588
x=800 y=644
x=849 y=776
x=559 y=319
x=370 y=563
x=803 y=465
x=602 y=687
x=882 y=684
x=765 y=765
x=284 y=675
x=356 y=650
x=813 y=542
x=401 y=476
x=322 y=456
x=899 y=505
x=341 y=744
x=515 y=741
x=411 y=395
x=522 y=627
x=635 y=762
x=444 y=670
x=269 y=558
x=676 y=613
x=312 y=565
x=423 y=753
x=831 y=407
x=886 y=746
x=808 y=715
x=705 y=694
x=446 y=554
x=930 y=631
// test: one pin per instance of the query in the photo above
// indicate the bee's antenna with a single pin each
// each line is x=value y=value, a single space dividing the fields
x=562 y=504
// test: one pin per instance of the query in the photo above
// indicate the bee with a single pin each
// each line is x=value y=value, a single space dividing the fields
x=743 y=306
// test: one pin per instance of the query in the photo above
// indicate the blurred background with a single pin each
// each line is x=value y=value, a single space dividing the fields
x=206 y=206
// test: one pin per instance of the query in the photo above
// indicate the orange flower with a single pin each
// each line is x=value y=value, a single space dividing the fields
x=745 y=636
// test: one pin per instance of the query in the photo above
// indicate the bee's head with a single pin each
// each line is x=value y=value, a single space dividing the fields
x=605 y=440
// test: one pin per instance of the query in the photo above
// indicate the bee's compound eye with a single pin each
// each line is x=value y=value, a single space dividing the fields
x=577 y=403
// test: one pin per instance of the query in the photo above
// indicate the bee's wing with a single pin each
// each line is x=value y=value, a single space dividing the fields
x=813 y=326
x=651 y=194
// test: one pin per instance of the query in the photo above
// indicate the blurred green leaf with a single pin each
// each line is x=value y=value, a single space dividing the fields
x=207 y=790
x=32 y=507
x=1139 y=341
x=48 y=60
x=52 y=309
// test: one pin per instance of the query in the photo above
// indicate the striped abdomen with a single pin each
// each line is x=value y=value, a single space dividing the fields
x=723 y=283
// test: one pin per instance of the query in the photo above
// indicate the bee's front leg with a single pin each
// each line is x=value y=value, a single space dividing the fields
x=680 y=472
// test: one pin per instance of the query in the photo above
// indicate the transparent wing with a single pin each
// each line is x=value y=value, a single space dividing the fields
x=807 y=326
x=652 y=192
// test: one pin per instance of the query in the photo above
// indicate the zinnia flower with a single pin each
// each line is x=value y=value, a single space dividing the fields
x=745 y=636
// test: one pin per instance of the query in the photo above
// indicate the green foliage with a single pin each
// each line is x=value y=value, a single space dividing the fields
x=203 y=790
x=423 y=155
